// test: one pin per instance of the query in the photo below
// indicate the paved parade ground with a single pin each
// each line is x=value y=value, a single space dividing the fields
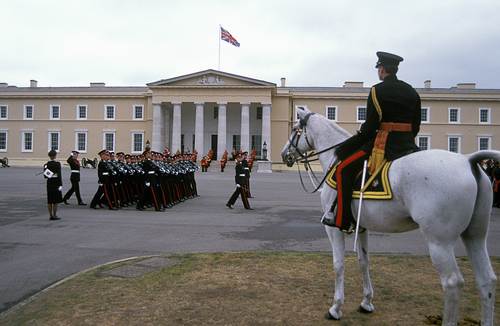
x=36 y=252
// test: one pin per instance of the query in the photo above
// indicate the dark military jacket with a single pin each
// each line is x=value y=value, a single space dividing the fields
x=399 y=102
x=74 y=165
x=56 y=180
x=240 y=175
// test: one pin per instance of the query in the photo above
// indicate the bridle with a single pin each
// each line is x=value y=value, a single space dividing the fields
x=303 y=156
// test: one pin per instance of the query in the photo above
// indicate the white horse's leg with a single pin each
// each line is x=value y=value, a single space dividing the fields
x=364 y=264
x=337 y=242
x=443 y=258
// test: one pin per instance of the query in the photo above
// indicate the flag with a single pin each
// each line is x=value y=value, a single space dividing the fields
x=226 y=36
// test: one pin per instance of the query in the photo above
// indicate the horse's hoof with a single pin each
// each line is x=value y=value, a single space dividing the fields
x=329 y=316
x=363 y=310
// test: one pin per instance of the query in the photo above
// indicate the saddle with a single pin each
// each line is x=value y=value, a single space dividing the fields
x=377 y=185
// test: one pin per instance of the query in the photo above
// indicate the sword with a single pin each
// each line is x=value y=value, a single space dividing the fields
x=359 y=206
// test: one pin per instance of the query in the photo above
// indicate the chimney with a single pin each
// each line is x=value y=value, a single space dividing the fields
x=97 y=84
x=2 y=85
x=427 y=83
x=353 y=84
x=466 y=85
x=33 y=83
x=283 y=81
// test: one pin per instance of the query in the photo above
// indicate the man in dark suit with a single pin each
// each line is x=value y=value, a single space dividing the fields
x=239 y=178
x=103 y=191
x=74 y=165
x=392 y=122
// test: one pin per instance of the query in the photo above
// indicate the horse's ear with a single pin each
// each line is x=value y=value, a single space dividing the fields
x=302 y=111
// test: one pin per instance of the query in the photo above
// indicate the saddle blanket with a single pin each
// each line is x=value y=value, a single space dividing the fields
x=377 y=186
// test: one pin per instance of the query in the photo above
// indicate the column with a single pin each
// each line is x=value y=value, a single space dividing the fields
x=221 y=130
x=245 y=127
x=266 y=128
x=167 y=129
x=198 y=134
x=176 y=129
x=157 y=139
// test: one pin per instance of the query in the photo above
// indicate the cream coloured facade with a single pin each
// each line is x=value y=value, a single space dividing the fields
x=218 y=110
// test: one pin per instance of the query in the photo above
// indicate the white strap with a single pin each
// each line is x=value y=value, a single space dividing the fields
x=242 y=175
x=151 y=172
x=105 y=173
x=75 y=171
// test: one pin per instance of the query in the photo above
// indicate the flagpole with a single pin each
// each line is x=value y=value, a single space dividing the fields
x=219 y=46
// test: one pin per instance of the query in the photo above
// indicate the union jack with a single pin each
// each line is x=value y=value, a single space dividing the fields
x=226 y=36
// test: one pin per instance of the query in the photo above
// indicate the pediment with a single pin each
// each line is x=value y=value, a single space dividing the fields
x=211 y=78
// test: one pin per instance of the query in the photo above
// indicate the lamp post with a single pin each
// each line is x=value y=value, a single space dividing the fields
x=264 y=151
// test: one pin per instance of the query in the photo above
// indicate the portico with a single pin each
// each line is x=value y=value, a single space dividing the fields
x=211 y=110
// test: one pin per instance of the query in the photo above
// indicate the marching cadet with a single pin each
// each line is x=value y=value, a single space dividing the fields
x=103 y=191
x=151 y=183
x=246 y=168
x=239 y=179
x=74 y=165
x=52 y=172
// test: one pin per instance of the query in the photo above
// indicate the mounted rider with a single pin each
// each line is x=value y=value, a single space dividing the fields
x=392 y=122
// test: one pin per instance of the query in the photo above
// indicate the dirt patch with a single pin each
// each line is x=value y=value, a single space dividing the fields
x=250 y=289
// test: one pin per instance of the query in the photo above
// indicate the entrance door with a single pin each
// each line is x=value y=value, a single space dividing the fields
x=213 y=146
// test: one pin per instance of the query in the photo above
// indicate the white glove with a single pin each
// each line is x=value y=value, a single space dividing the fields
x=238 y=186
x=148 y=184
x=60 y=188
x=100 y=184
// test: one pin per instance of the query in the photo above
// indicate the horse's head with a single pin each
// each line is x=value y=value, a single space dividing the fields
x=298 y=143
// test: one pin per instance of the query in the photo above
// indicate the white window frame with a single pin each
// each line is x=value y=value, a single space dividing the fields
x=295 y=111
x=458 y=116
x=49 y=140
x=32 y=112
x=86 y=140
x=78 y=111
x=6 y=111
x=106 y=111
x=51 y=111
x=479 y=137
x=104 y=139
x=428 y=109
x=132 y=135
x=336 y=112
x=6 y=131
x=133 y=111
x=23 y=148
x=357 y=112
x=429 y=137
x=459 y=150
x=489 y=116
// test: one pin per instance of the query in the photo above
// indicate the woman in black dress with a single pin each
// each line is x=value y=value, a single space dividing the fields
x=52 y=172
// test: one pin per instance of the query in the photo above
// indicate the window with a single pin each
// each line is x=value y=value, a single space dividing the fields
x=424 y=115
x=257 y=143
x=27 y=141
x=453 y=115
x=53 y=142
x=484 y=115
x=138 y=112
x=109 y=112
x=109 y=141
x=4 y=112
x=331 y=113
x=194 y=142
x=216 y=112
x=361 y=114
x=81 y=112
x=28 y=112
x=237 y=142
x=137 y=142
x=3 y=140
x=424 y=142
x=454 y=144
x=259 y=113
x=484 y=143
x=182 y=143
x=55 y=113
x=81 y=141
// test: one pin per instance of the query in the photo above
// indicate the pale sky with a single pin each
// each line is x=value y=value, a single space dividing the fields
x=311 y=43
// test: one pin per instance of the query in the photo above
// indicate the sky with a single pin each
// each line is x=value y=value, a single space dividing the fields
x=310 y=43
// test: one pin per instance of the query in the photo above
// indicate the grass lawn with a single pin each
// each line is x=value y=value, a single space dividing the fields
x=256 y=288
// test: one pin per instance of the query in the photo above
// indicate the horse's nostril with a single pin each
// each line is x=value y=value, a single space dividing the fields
x=289 y=160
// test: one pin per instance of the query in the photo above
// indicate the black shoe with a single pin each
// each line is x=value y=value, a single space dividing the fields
x=54 y=218
x=82 y=204
x=328 y=222
x=139 y=208
x=249 y=208
x=229 y=206
x=65 y=202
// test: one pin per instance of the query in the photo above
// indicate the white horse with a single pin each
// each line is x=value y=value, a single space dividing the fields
x=444 y=194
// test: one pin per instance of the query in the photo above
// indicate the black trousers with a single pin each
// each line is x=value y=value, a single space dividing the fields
x=102 y=195
x=75 y=187
x=239 y=191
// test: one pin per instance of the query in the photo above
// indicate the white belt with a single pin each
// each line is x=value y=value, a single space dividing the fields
x=151 y=172
x=53 y=176
x=247 y=168
x=105 y=173
x=242 y=175
x=75 y=171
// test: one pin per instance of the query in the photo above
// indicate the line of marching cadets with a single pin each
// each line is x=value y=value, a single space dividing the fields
x=149 y=180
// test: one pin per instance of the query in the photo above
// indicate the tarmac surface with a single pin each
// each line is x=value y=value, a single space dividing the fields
x=36 y=252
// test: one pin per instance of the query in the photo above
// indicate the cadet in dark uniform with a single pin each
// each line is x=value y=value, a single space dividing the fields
x=103 y=191
x=392 y=122
x=239 y=178
x=74 y=165
x=52 y=172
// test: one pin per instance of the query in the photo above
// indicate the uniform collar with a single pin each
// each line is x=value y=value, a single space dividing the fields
x=391 y=77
